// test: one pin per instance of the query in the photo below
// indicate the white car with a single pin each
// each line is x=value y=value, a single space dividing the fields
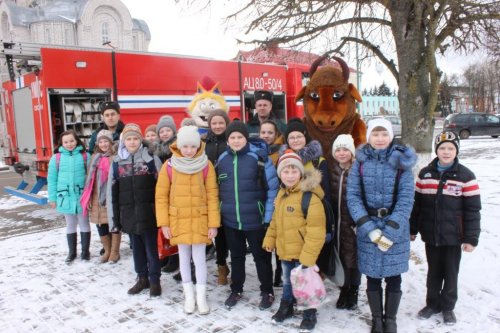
x=395 y=121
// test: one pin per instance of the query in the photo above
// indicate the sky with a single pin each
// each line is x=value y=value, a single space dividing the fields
x=39 y=293
x=176 y=29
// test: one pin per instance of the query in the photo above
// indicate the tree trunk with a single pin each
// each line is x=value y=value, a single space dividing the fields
x=416 y=101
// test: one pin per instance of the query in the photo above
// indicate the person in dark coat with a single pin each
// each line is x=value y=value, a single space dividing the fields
x=446 y=213
x=110 y=112
x=264 y=111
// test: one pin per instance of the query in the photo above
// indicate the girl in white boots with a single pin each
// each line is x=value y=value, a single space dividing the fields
x=187 y=210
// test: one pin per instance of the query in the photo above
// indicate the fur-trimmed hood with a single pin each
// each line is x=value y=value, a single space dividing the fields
x=398 y=156
x=311 y=151
x=310 y=182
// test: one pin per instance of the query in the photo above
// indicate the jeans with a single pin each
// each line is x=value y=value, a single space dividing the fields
x=287 y=267
x=145 y=252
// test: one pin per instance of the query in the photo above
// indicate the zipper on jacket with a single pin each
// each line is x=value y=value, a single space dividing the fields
x=437 y=224
x=236 y=196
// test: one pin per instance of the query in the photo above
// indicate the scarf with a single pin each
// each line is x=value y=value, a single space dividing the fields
x=98 y=168
x=189 y=165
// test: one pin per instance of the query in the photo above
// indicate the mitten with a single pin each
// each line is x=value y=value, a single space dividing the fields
x=384 y=243
x=375 y=235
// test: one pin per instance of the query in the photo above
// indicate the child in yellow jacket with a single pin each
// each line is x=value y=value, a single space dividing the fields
x=187 y=210
x=298 y=239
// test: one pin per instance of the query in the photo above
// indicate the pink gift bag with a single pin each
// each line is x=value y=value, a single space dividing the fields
x=308 y=287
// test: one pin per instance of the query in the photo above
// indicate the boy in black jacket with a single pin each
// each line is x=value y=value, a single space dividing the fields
x=447 y=215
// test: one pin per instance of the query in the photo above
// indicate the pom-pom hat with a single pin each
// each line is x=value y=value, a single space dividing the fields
x=166 y=121
x=344 y=141
x=446 y=136
x=288 y=158
x=188 y=135
x=131 y=129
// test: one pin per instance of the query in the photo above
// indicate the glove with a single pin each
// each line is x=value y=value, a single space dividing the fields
x=116 y=228
x=375 y=235
x=384 y=244
x=328 y=238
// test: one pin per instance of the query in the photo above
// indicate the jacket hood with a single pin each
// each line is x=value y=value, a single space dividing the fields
x=310 y=182
x=177 y=152
x=311 y=151
x=259 y=147
x=398 y=156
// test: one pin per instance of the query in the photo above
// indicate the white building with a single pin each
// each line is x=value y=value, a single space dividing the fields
x=86 y=23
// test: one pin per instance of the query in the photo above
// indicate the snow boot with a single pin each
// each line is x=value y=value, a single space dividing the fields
x=341 y=302
x=114 y=255
x=141 y=284
x=308 y=321
x=351 y=302
x=189 y=300
x=223 y=271
x=106 y=244
x=375 y=303
x=201 y=299
x=154 y=289
x=85 y=245
x=285 y=311
x=72 y=247
x=392 y=300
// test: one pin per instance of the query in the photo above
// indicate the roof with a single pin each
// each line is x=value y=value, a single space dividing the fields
x=281 y=56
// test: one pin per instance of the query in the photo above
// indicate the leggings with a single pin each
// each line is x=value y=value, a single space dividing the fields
x=197 y=252
x=392 y=283
x=74 y=220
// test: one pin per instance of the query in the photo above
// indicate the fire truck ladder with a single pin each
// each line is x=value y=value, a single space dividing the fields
x=25 y=52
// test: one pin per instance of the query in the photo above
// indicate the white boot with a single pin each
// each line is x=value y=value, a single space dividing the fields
x=201 y=299
x=189 y=300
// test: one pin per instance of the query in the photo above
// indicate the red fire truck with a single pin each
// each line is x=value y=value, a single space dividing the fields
x=64 y=86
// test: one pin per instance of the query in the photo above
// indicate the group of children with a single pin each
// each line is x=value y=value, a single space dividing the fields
x=237 y=190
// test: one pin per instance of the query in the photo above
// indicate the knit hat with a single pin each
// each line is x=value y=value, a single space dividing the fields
x=131 y=129
x=188 y=135
x=344 y=141
x=446 y=136
x=220 y=113
x=237 y=126
x=379 y=122
x=188 y=122
x=289 y=157
x=150 y=128
x=109 y=105
x=104 y=134
x=296 y=125
x=263 y=94
x=166 y=121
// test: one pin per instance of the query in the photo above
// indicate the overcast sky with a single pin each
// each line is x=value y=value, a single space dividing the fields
x=191 y=32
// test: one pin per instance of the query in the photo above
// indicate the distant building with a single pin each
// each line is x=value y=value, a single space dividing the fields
x=87 y=23
x=380 y=105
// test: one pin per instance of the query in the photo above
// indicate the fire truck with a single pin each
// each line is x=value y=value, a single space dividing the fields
x=53 y=89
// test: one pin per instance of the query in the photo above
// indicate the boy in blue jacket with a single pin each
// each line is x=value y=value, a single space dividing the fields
x=380 y=194
x=248 y=185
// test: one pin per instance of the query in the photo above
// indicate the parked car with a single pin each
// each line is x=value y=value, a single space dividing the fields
x=473 y=124
x=395 y=121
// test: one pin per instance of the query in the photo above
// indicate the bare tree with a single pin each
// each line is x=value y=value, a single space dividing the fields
x=404 y=35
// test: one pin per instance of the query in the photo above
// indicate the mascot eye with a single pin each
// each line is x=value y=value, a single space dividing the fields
x=314 y=96
x=337 y=95
x=212 y=106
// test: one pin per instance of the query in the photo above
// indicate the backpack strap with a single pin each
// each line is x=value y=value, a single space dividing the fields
x=304 y=204
x=58 y=161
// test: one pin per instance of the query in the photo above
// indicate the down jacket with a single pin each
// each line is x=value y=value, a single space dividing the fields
x=246 y=196
x=379 y=173
x=65 y=183
x=447 y=206
x=293 y=236
x=187 y=203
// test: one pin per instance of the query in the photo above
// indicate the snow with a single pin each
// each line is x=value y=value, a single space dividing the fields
x=38 y=292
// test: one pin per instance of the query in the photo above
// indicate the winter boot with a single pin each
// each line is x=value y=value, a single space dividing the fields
x=308 y=321
x=285 y=311
x=189 y=300
x=154 y=289
x=392 y=300
x=141 y=284
x=172 y=264
x=85 y=245
x=201 y=299
x=352 y=298
x=375 y=303
x=114 y=255
x=106 y=244
x=72 y=247
x=341 y=302
x=223 y=271
x=177 y=276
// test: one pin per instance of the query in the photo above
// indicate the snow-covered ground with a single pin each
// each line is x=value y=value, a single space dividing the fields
x=38 y=292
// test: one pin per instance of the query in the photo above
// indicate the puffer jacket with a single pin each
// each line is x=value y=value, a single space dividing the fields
x=131 y=191
x=215 y=146
x=380 y=172
x=344 y=225
x=65 y=184
x=447 y=206
x=187 y=203
x=246 y=197
x=293 y=236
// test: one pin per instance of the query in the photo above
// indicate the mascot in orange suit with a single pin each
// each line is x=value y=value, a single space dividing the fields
x=330 y=106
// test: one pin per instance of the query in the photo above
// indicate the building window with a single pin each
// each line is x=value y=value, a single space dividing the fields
x=105 y=32
x=48 y=39
x=135 y=44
